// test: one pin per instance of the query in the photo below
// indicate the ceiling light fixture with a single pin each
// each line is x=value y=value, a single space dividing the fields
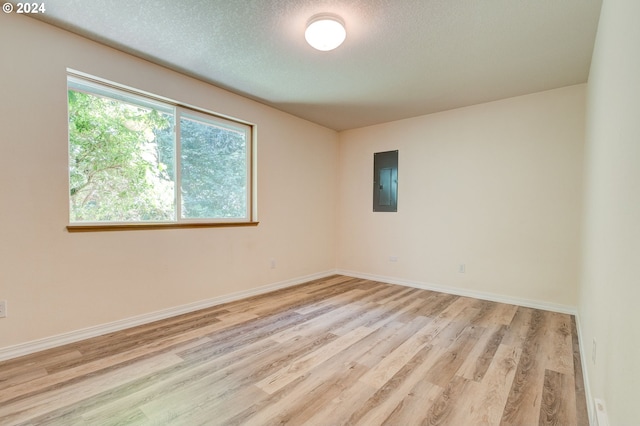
x=325 y=32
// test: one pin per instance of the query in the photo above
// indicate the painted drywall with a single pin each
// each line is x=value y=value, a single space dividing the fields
x=57 y=282
x=610 y=290
x=496 y=187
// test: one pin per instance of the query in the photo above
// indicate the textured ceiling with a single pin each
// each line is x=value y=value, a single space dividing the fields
x=401 y=58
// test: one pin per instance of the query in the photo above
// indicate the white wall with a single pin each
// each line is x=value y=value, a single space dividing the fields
x=610 y=288
x=495 y=186
x=57 y=282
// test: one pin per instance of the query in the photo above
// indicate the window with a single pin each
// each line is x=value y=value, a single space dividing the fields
x=139 y=160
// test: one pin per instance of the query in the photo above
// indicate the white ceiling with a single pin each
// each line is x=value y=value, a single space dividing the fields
x=401 y=58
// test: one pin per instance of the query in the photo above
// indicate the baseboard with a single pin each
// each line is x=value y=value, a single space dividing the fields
x=74 y=336
x=585 y=376
x=536 y=304
x=601 y=412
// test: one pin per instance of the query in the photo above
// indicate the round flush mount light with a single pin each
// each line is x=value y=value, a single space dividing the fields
x=325 y=32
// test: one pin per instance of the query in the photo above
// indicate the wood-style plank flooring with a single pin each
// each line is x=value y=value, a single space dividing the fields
x=334 y=351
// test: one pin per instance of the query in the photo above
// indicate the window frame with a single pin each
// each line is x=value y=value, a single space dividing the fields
x=113 y=90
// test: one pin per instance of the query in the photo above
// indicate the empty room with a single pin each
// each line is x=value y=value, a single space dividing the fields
x=214 y=215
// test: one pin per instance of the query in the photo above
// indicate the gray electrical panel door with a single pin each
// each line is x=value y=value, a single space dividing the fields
x=385 y=181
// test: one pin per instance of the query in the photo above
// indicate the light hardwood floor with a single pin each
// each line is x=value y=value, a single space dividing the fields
x=334 y=351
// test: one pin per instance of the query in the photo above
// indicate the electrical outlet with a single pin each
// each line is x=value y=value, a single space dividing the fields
x=393 y=259
x=593 y=351
x=3 y=308
x=462 y=268
x=273 y=264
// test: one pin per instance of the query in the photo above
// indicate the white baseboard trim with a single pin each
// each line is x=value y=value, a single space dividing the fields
x=86 y=333
x=601 y=412
x=74 y=336
x=528 y=303
x=585 y=375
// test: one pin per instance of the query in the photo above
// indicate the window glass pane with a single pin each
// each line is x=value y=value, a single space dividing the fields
x=121 y=158
x=213 y=170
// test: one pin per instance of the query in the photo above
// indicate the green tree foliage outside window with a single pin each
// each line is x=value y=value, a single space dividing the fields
x=218 y=191
x=123 y=161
